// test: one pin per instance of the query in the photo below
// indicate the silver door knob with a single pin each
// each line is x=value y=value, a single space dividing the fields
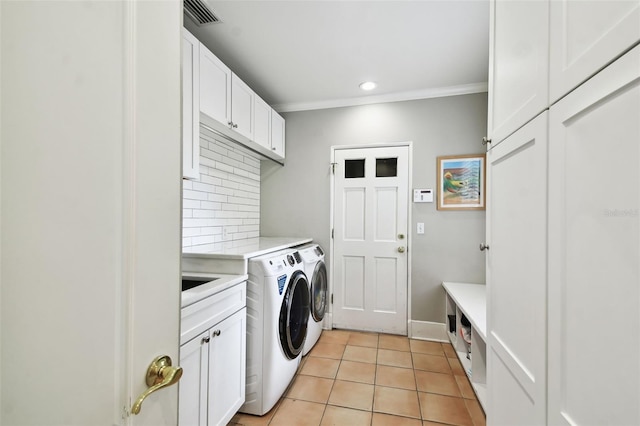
x=485 y=140
x=483 y=247
x=401 y=249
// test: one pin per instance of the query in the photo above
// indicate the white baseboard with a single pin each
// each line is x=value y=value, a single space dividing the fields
x=425 y=330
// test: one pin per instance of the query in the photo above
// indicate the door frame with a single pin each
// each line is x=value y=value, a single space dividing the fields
x=328 y=318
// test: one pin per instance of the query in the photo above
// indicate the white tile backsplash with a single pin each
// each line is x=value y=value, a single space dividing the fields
x=224 y=203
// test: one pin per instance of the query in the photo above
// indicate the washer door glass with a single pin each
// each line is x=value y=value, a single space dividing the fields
x=319 y=292
x=294 y=315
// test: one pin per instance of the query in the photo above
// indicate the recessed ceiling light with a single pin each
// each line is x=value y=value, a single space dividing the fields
x=368 y=85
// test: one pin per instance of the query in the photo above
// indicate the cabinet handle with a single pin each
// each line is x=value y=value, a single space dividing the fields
x=483 y=247
x=485 y=140
x=230 y=123
x=205 y=340
x=235 y=126
x=216 y=333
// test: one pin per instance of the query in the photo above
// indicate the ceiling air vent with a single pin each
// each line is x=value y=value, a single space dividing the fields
x=199 y=12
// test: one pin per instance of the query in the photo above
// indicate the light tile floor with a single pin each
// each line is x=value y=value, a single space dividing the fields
x=354 y=378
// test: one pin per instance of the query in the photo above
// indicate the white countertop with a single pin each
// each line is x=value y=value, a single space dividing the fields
x=472 y=301
x=244 y=249
x=220 y=282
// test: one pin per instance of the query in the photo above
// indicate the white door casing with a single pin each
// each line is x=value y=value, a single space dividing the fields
x=91 y=233
x=594 y=247
x=370 y=223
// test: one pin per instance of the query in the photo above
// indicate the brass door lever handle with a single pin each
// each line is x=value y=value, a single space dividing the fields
x=160 y=374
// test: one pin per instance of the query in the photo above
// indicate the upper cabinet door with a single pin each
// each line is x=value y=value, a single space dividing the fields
x=215 y=87
x=586 y=36
x=190 y=106
x=518 y=65
x=242 y=107
x=277 y=134
x=262 y=122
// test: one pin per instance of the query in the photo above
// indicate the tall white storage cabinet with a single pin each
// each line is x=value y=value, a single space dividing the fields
x=594 y=250
x=563 y=219
x=516 y=276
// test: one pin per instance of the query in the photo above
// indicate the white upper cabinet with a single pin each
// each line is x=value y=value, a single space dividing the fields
x=190 y=106
x=262 y=122
x=518 y=65
x=215 y=87
x=586 y=36
x=241 y=107
x=277 y=134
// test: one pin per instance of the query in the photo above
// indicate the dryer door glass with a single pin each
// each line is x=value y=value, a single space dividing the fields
x=319 y=292
x=294 y=315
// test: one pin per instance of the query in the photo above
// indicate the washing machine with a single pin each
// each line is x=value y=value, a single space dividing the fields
x=277 y=319
x=313 y=258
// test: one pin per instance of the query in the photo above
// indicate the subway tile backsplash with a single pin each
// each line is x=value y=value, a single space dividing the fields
x=224 y=204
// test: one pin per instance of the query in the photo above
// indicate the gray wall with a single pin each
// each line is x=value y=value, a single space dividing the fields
x=295 y=198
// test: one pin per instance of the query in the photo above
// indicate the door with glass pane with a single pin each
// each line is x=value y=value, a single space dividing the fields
x=370 y=239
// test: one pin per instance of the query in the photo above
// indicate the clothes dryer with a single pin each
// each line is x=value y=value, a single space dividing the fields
x=277 y=318
x=313 y=259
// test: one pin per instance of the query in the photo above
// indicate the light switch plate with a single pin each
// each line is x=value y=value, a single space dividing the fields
x=420 y=228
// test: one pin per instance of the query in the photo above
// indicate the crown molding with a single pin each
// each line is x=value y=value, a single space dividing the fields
x=465 y=89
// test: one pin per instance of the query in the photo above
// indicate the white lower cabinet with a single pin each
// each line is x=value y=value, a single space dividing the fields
x=594 y=250
x=516 y=276
x=212 y=388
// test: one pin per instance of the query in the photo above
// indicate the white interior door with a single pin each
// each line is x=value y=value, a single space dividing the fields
x=594 y=247
x=370 y=239
x=90 y=219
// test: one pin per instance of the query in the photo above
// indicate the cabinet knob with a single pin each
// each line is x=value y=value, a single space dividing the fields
x=485 y=140
x=230 y=123
x=235 y=126
x=205 y=340
x=216 y=333
x=483 y=247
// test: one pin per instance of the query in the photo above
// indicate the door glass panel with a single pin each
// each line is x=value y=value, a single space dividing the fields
x=386 y=167
x=354 y=169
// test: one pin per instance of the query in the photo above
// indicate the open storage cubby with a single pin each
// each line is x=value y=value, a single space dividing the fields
x=470 y=301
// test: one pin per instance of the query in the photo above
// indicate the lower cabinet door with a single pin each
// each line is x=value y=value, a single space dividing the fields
x=193 y=385
x=227 y=368
x=516 y=276
x=594 y=247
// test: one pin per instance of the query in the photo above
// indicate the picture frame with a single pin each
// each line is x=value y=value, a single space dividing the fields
x=461 y=182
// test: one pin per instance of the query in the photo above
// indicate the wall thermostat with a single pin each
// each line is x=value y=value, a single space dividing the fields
x=423 y=195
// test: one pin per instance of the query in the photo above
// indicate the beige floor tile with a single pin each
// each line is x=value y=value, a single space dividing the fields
x=443 y=384
x=394 y=358
x=393 y=342
x=250 y=420
x=475 y=410
x=320 y=367
x=360 y=354
x=352 y=395
x=340 y=416
x=396 y=377
x=363 y=339
x=399 y=402
x=449 y=351
x=444 y=409
x=327 y=350
x=465 y=387
x=299 y=413
x=310 y=388
x=357 y=372
x=435 y=363
x=335 y=336
x=456 y=367
x=426 y=347
x=381 y=419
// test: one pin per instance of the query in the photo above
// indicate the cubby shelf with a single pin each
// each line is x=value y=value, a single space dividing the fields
x=470 y=300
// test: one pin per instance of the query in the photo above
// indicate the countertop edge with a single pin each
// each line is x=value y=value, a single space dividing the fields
x=221 y=283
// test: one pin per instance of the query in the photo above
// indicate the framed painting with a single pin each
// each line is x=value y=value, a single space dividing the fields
x=461 y=182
